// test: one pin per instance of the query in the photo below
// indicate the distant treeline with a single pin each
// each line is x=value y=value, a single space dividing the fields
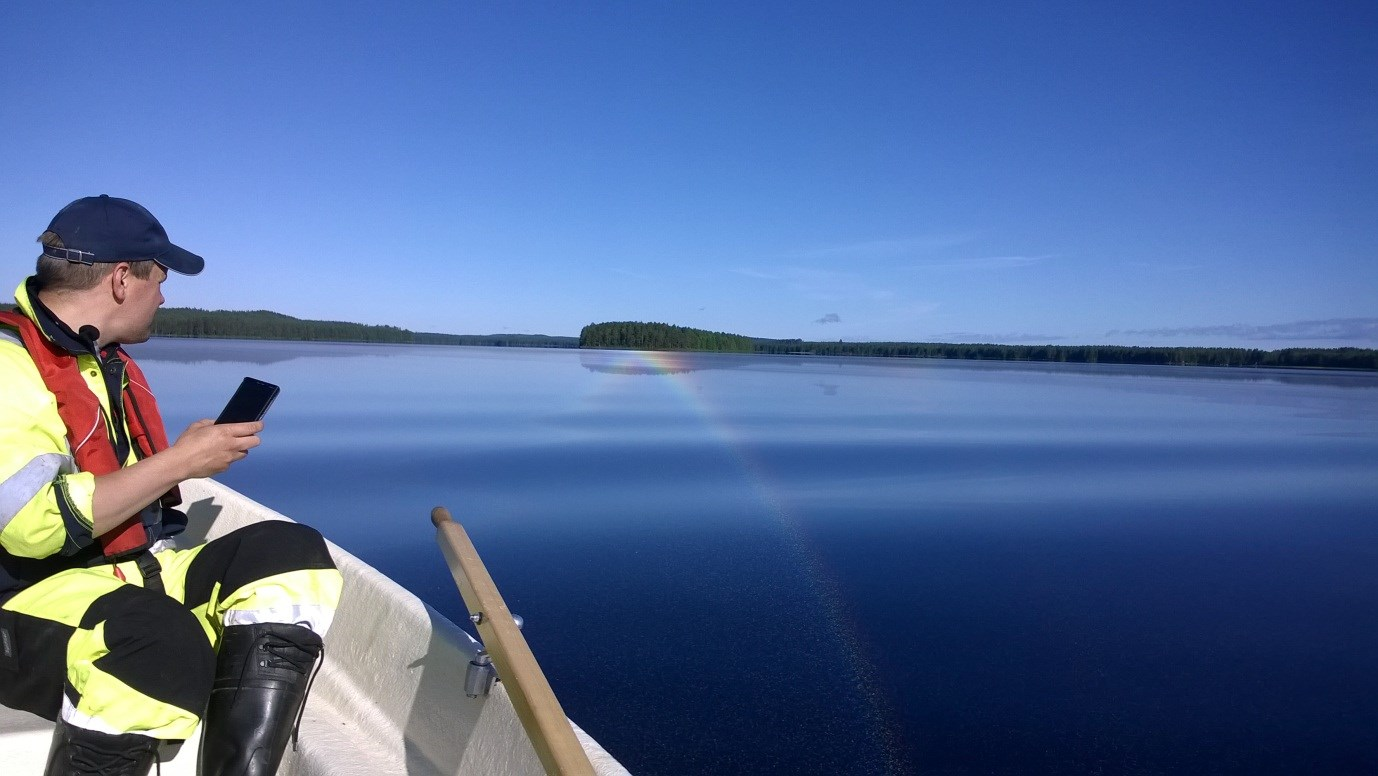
x=1330 y=358
x=263 y=324
x=630 y=335
x=659 y=336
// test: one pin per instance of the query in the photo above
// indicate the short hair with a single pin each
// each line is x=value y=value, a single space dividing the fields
x=52 y=274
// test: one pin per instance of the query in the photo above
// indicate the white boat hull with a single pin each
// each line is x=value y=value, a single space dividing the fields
x=389 y=698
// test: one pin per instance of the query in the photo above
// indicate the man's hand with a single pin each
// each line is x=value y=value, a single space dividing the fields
x=202 y=450
x=206 y=448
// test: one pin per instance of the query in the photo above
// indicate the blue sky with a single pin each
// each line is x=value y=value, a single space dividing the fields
x=1200 y=173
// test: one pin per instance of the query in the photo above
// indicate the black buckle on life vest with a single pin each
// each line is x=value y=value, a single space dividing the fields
x=151 y=571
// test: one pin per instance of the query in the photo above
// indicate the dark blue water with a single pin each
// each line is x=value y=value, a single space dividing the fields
x=734 y=564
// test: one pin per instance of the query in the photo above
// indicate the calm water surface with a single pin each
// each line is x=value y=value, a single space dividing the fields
x=741 y=564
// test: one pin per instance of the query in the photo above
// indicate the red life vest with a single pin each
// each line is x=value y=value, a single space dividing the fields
x=87 y=432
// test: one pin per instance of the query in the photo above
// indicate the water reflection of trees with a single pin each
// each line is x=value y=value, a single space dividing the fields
x=636 y=362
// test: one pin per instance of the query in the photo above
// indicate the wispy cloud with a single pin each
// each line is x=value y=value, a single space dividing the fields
x=886 y=248
x=928 y=253
x=824 y=285
x=981 y=263
x=755 y=273
x=633 y=275
x=1339 y=329
x=830 y=318
x=1162 y=267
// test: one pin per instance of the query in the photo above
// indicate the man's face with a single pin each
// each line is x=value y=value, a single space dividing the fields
x=143 y=297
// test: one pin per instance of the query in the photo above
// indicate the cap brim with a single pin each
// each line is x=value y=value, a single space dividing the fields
x=182 y=261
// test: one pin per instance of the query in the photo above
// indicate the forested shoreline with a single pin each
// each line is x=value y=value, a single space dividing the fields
x=635 y=335
x=264 y=324
x=1314 y=358
x=659 y=336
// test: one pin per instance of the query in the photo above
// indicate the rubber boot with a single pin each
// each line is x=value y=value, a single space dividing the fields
x=81 y=752
x=261 y=676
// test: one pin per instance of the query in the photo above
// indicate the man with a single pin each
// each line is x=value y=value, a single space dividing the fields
x=106 y=628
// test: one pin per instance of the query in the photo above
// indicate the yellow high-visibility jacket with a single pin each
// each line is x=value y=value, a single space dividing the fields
x=45 y=501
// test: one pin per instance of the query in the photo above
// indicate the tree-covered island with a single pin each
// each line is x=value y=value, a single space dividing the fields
x=635 y=335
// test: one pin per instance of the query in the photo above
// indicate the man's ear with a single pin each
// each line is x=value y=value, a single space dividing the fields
x=119 y=281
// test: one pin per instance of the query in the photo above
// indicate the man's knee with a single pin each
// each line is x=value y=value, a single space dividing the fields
x=155 y=620
x=282 y=573
x=156 y=647
x=285 y=546
x=252 y=553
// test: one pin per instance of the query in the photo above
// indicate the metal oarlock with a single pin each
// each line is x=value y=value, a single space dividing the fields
x=481 y=675
x=516 y=619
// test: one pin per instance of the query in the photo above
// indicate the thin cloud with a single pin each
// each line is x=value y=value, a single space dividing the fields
x=754 y=273
x=883 y=248
x=1162 y=267
x=830 y=318
x=1339 y=329
x=822 y=285
x=982 y=263
x=633 y=275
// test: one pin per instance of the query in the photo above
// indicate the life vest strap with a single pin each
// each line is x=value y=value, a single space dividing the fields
x=151 y=571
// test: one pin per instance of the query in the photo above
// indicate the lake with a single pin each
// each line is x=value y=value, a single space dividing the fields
x=768 y=564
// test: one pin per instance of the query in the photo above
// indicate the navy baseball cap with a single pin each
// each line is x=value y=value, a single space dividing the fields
x=106 y=229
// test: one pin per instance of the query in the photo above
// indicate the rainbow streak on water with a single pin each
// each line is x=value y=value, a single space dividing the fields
x=878 y=713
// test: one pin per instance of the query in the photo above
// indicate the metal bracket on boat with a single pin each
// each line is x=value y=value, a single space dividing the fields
x=516 y=619
x=481 y=675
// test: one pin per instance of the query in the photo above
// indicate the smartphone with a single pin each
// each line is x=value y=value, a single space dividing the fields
x=250 y=401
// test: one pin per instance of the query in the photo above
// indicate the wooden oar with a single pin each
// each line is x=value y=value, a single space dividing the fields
x=535 y=703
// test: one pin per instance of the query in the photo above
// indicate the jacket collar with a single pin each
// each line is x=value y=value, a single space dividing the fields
x=57 y=332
